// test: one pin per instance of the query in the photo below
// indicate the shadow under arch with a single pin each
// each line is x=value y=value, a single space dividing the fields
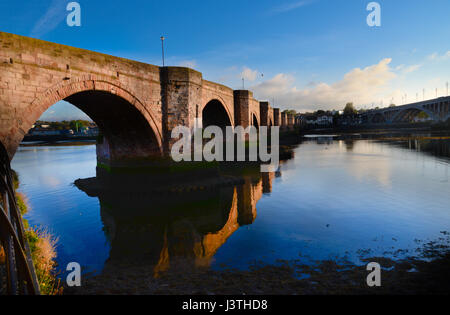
x=129 y=129
x=215 y=114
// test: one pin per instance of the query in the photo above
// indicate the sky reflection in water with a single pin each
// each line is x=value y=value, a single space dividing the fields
x=333 y=198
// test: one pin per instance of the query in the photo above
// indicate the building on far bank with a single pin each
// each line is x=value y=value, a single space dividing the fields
x=349 y=120
x=82 y=132
x=317 y=120
x=38 y=131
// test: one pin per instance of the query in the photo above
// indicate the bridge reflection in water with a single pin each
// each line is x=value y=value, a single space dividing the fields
x=155 y=232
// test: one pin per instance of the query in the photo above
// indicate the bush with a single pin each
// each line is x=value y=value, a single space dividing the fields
x=43 y=252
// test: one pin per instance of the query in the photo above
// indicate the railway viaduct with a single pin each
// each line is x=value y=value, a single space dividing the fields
x=438 y=110
x=135 y=105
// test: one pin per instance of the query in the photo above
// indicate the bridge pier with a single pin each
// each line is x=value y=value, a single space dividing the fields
x=264 y=109
x=181 y=96
x=246 y=108
x=276 y=117
x=284 y=121
x=290 y=121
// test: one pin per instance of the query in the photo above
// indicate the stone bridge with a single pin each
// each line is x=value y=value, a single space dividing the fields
x=438 y=110
x=135 y=105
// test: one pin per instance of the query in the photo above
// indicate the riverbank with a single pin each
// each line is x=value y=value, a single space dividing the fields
x=58 y=143
x=28 y=138
x=43 y=250
x=424 y=272
x=384 y=129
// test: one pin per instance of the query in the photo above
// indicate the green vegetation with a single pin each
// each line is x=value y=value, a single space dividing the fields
x=43 y=249
x=290 y=112
x=350 y=109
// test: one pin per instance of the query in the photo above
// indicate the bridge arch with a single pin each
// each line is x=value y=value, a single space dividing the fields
x=215 y=113
x=410 y=112
x=446 y=117
x=129 y=128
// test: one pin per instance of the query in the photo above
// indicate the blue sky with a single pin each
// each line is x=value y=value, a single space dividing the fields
x=305 y=55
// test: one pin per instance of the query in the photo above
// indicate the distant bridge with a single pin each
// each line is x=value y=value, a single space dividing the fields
x=438 y=110
x=136 y=105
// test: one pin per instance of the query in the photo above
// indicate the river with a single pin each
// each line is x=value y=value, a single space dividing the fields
x=334 y=198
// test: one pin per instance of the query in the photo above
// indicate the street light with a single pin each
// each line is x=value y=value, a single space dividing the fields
x=162 y=46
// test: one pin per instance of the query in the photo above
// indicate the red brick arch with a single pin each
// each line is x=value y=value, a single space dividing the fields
x=70 y=87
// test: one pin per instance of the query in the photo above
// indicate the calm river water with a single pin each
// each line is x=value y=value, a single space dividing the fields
x=334 y=198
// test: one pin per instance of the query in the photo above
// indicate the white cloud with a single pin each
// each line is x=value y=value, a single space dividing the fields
x=436 y=57
x=408 y=69
x=289 y=7
x=54 y=15
x=360 y=86
x=249 y=74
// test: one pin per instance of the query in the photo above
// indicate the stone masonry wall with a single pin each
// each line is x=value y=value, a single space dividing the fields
x=36 y=74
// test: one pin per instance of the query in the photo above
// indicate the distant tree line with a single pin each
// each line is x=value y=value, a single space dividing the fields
x=65 y=124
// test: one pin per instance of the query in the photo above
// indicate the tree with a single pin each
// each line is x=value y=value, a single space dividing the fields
x=77 y=124
x=392 y=105
x=320 y=112
x=349 y=109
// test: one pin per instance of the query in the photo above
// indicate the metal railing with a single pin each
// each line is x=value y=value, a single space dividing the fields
x=20 y=274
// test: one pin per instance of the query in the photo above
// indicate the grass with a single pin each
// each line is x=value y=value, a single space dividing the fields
x=42 y=246
x=43 y=252
x=2 y=255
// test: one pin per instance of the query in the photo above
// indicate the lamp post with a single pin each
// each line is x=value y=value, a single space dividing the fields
x=162 y=47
